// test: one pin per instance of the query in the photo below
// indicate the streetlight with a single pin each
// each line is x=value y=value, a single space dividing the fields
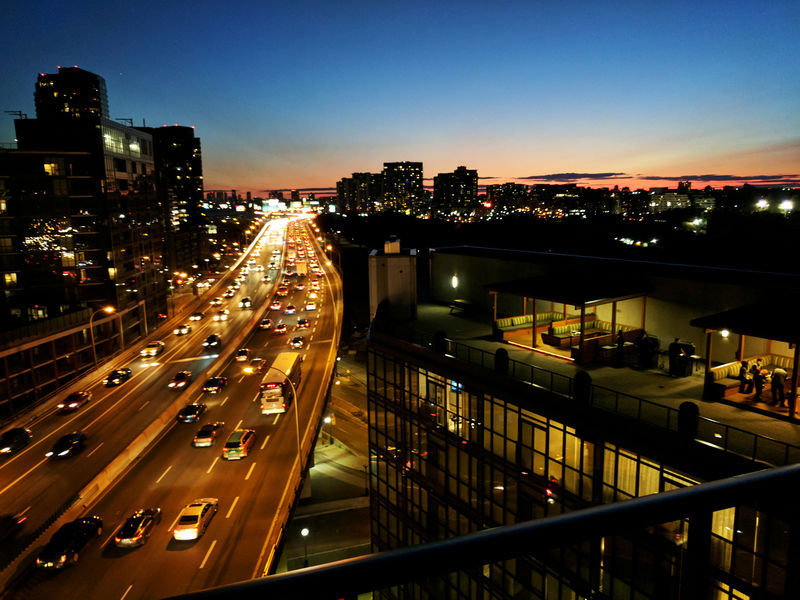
x=304 y=532
x=106 y=309
x=296 y=417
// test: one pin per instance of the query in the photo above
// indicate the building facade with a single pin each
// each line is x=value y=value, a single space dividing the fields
x=455 y=195
x=457 y=448
x=402 y=187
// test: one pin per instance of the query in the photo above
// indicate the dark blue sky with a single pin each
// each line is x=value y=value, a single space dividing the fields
x=301 y=94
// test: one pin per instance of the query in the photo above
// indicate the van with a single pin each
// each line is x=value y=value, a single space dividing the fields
x=239 y=443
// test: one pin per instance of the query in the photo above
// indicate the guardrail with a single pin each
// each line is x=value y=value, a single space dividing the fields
x=728 y=438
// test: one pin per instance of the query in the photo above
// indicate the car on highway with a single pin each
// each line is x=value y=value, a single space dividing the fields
x=276 y=305
x=10 y=526
x=265 y=279
x=13 y=440
x=265 y=324
x=212 y=342
x=194 y=519
x=116 y=377
x=256 y=365
x=312 y=295
x=217 y=302
x=290 y=309
x=207 y=434
x=68 y=541
x=182 y=329
x=153 y=349
x=214 y=385
x=180 y=380
x=236 y=285
x=279 y=328
x=303 y=323
x=297 y=341
x=258 y=268
x=311 y=306
x=191 y=412
x=314 y=285
x=74 y=401
x=137 y=528
x=197 y=316
x=222 y=315
x=242 y=354
x=229 y=293
x=67 y=445
x=282 y=291
x=245 y=302
x=239 y=443
x=300 y=287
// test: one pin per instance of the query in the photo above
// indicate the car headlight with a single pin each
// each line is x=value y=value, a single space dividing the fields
x=62 y=558
x=49 y=454
x=73 y=405
x=61 y=406
x=63 y=453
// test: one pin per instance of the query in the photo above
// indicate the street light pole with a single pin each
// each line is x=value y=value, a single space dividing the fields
x=107 y=310
x=296 y=403
x=304 y=532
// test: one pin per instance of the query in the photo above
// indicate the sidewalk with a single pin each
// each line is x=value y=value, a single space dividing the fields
x=334 y=503
x=653 y=384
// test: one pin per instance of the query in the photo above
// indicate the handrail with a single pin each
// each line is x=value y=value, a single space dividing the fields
x=349 y=577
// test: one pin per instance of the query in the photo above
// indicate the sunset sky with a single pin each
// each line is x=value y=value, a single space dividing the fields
x=301 y=94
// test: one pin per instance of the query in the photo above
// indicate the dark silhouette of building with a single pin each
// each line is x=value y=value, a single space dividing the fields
x=402 y=187
x=455 y=194
x=360 y=193
x=71 y=92
x=506 y=198
x=179 y=180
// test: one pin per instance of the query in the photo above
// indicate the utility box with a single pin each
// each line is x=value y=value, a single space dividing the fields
x=393 y=277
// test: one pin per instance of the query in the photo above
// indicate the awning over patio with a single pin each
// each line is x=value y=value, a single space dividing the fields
x=767 y=321
x=574 y=288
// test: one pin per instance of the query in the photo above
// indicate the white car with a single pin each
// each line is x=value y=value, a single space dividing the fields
x=311 y=306
x=152 y=349
x=194 y=519
x=222 y=315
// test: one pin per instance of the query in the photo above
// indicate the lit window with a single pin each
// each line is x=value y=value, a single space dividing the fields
x=10 y=279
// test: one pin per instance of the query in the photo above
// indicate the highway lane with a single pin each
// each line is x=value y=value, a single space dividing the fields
x=115 y=416
x=173 y=473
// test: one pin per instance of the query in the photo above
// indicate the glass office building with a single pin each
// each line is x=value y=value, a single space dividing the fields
x=456 y=448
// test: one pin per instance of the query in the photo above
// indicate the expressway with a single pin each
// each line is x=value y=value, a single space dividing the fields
x=251 y=492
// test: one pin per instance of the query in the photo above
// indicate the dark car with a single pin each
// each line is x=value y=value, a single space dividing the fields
x=191 y=413
x=303 y=323
x=75 y=400
x=265 y=324
x=279 y=328
x=196 y=316
x=14 y=440
x=10 y=526
x=63 y=547
x=67 y=445
x=214 y=384
x=297 y=342
x=117 y=377
x=213 y=341
x=138 y=528
x=207 y=434
x=180 y=380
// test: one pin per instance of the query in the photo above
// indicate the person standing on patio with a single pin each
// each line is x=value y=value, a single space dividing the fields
x=745 y=379
x=674 y=352
x=758 y=378
x=777 y=386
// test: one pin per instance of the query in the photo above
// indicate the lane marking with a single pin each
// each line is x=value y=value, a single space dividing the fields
x=239 y=423
x=164 y=473
x=203 y=564
x=172 y=527
x=212 y=465
x=95 y=450
x=230 y=510
x=266 y=439
x=275 y=420
x=108 y=539
x=25 y=474
x=143 y=405
x=241 y=379
x=126 y=592
x=253 y=466
x=224 y=400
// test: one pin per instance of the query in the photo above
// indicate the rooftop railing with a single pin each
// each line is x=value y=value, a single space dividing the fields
x=714 y=433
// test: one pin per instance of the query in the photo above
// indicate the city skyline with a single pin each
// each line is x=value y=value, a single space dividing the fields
x=299 y=97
